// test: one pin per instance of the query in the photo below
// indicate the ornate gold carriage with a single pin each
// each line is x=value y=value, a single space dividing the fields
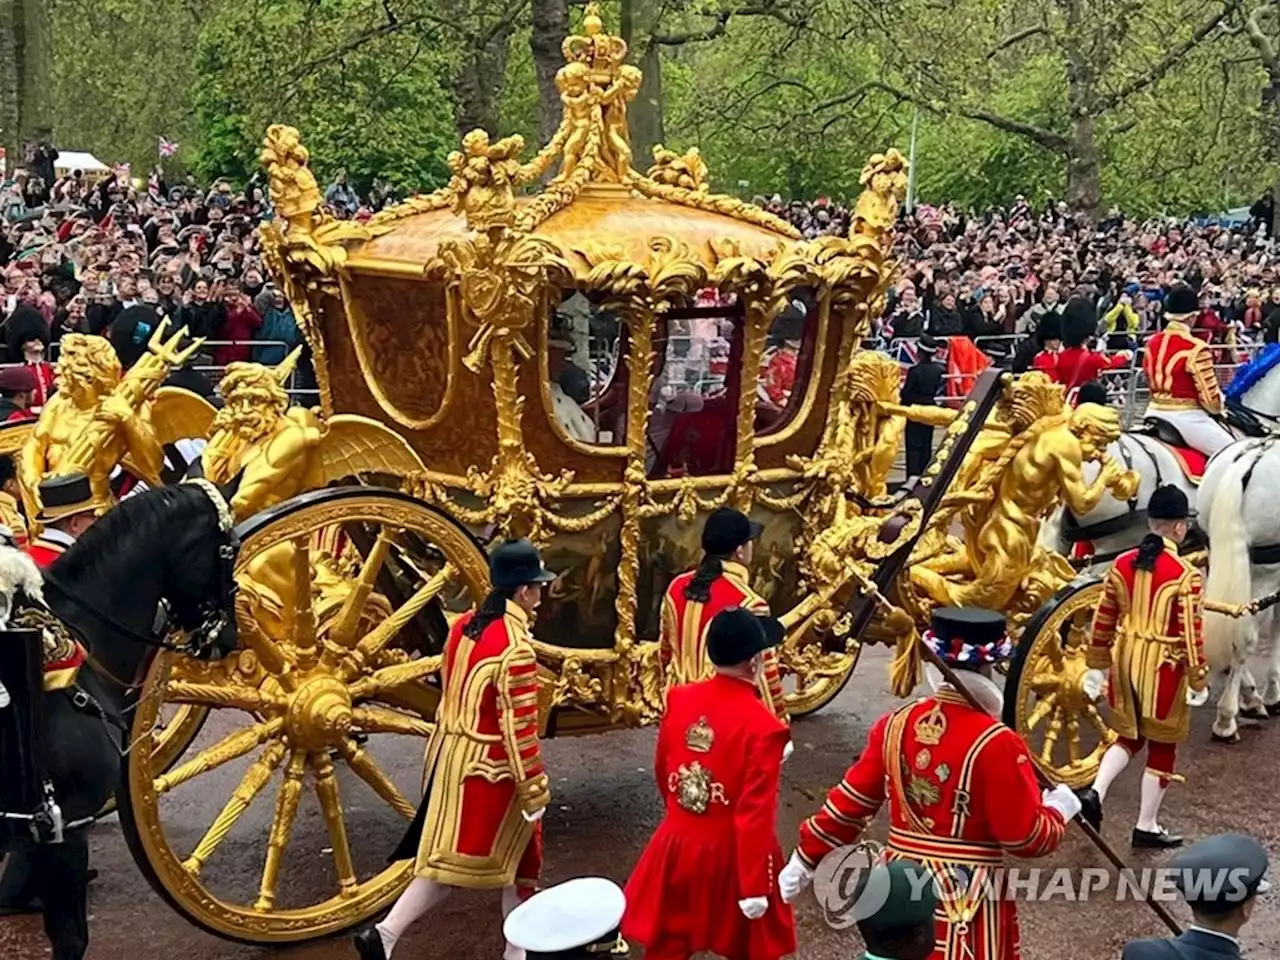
x=593 y=364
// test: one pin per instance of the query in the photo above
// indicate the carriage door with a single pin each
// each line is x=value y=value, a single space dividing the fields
x=693 y=407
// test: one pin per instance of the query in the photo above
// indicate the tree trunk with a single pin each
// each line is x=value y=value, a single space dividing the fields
x=12 y=141
x=645 y=115
x=35 y=75
x=549 y=28
x=477 y=87
x=1084 y=169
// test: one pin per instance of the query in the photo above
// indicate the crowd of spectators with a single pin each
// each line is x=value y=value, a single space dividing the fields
x=79 y=251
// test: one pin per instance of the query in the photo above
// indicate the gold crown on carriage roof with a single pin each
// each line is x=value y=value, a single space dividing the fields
x=600 y=52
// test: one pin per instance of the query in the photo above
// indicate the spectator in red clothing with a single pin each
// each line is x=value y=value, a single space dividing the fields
x=240 y=326
x=17 y=385
x=1078 y=363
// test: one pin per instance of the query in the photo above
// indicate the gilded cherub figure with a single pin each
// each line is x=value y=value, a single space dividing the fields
x=580 y=105
x=485 y=176
x=293 y=188
x=884 y=181
x=617 y=140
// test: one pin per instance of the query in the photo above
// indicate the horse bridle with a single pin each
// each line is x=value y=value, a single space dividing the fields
x=214 y=614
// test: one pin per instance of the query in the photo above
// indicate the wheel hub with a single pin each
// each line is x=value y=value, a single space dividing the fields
x=319 y=713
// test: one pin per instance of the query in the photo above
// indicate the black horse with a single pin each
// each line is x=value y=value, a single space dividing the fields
x=161 y=559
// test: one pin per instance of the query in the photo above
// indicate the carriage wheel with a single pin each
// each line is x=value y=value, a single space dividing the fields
x=1044 y=699
x=325 y=707
x=813 y=676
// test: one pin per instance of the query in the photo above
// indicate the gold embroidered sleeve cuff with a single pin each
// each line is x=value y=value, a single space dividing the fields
x=1098 y=658
x=534 y=794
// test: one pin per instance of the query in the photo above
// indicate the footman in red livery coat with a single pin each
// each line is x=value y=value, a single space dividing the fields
x=707 y=879
x=961 y=791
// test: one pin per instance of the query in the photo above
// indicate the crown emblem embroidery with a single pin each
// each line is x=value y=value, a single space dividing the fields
x=700 y=736
x=930 y=728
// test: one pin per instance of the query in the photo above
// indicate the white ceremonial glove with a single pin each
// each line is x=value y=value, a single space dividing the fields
x=787 y=751
x=533 y=817
x=1063 y=799
x=753 y=908
x=795 y=876
x=1197 y=698
x=1094 y=683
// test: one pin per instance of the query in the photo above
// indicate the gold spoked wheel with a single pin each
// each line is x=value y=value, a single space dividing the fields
x=1044 y=696
x=813 y=676
x=325 y=706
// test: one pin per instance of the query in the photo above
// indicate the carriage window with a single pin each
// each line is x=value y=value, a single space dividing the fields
x=787 y=362
x=693 y=406
x=587 y=378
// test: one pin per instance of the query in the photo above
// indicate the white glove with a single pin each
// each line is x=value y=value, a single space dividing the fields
x=533 y=817
x=1063 y=799
x=788 y=750
x=1093 y=683
x=753 y=908
x=1197 y=698
x=795 y=876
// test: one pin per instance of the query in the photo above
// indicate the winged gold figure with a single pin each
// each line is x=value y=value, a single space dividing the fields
x=279 y=452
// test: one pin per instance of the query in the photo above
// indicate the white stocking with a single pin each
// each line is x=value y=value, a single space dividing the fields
x=1152 y=795
x=511 y=900
x=419 y=897
x=1113 y=763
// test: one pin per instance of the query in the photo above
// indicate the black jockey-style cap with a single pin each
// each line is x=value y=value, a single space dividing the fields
x=969 y=637
x=1093 y=392
x=574 y=920
x=1181 y=301
x=900 y=895
x=735 y=635
x=727 y=529
x=1169 y=503
x=1217 y=874
x=517 y=563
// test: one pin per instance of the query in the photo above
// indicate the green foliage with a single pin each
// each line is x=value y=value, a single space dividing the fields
x=379 y=110
x=775 y=107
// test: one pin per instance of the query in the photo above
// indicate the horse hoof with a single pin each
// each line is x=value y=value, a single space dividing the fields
x=1231 y=739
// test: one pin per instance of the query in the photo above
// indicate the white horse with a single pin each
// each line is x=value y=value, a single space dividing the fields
x=1239 y=506
x=1114 y=525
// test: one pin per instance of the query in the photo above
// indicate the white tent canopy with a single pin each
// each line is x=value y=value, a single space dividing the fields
x=69 y=160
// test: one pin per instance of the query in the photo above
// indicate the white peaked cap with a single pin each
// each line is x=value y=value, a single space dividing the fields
x=572 y=914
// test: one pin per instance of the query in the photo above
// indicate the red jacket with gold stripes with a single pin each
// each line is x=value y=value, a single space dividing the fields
x=1147 y=632
x=44 y=552
x=1179 y=368
x=684 y=631
x=962 y=793
x=483 y=763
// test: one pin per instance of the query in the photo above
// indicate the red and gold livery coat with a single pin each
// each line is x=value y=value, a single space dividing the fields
x=684 y=631
x=962 y=793
x=718 y=765
x=483 y=766
x=1179 y=368
x=1147 y=632
x=48 y=547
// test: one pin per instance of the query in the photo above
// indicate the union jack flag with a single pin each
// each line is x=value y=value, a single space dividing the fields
x=168 y=147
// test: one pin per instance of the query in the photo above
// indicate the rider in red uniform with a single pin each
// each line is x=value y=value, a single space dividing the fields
x=68 y=510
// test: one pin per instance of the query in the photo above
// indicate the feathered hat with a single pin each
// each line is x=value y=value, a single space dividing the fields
x=1079 y=321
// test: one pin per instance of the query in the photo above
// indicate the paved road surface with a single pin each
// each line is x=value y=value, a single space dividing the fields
x=605 y=806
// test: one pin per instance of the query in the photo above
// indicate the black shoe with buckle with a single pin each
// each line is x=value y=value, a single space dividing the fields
x=369 y=944
x=1160 y=839
x=1091 y=808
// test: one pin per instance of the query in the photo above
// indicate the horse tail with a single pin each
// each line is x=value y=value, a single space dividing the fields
x=1229 y=569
